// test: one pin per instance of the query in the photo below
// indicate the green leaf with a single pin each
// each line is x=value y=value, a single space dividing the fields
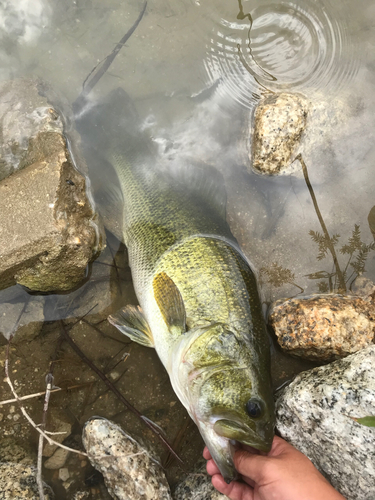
x=367 y=421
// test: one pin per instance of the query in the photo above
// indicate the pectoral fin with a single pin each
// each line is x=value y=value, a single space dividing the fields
x=170 y=302
x=131 y=322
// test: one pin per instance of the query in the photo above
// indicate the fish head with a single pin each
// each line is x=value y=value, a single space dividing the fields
x=227 y=381
x=232 y=411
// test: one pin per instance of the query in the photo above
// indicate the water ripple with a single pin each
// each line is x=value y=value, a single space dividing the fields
x=276 y=46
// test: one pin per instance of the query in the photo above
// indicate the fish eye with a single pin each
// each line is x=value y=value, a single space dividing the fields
x=254 y=408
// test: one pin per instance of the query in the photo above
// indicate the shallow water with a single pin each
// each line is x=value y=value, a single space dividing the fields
x=196 y=71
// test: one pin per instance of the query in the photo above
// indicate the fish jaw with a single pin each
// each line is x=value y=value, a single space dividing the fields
x=221 y=449
x=260 y=438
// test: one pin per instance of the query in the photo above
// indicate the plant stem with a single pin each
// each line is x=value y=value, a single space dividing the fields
x=340 y=275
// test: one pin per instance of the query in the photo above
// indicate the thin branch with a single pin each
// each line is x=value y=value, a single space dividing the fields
x=95 y=74
x=114 y=389
x=123 y=342
x=42 y=393
x=26 y=415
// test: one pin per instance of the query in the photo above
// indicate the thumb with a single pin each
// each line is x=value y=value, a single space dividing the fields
x=252 y=466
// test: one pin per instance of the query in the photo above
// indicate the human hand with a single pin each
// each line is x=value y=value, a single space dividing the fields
x=282 y=474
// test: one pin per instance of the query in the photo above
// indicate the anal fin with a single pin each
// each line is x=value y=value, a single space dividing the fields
x=131 y=322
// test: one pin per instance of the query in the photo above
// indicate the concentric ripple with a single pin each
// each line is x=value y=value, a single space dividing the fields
x=276 y=46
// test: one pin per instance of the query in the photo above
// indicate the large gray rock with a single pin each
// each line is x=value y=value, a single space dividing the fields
x=315 y=412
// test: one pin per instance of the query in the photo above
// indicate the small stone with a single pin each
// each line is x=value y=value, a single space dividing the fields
x=30 y=323
x=279 y=122
x=363 y=287
x=64 y=474
x=315 y=413
x=81 y=495
x=197 y=486
x=58 y=459
x=323 y=327
x=129 y=471
x=56 y=424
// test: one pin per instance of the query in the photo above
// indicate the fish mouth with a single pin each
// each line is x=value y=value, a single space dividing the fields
x=258 y=438
x=223 y=436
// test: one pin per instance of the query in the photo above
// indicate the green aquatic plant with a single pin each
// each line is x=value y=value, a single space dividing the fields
x=357 y=252
x=277 y=276
x=356 y=249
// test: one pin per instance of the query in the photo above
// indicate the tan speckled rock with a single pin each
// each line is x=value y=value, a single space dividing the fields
x=323 y=327
x=279 y=122
x=130 y=472
x=18 y=482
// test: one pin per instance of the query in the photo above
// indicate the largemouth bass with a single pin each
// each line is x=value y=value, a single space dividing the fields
x=198 y=300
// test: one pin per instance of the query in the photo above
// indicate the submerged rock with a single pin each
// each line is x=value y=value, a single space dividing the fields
x=315 y=413
x=197 y=486
x=28 y=125
x=279 y=122
x=30 y=323
x=129 y=470
x=323 y=327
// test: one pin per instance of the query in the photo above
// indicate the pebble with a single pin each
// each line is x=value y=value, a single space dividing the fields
x=57 y=460
x=64 y=474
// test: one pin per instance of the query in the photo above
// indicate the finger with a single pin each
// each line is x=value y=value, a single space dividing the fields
x=212 y=468
x=249 y=481
x=206 y=453
x=234 y=490
x=280 y=446
x=250 y=449
x=251 y=466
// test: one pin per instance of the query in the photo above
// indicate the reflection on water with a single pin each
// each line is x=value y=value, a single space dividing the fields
x=195 y=71
x=276 y=45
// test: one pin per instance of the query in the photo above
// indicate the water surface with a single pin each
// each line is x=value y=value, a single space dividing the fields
x=196 y=70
